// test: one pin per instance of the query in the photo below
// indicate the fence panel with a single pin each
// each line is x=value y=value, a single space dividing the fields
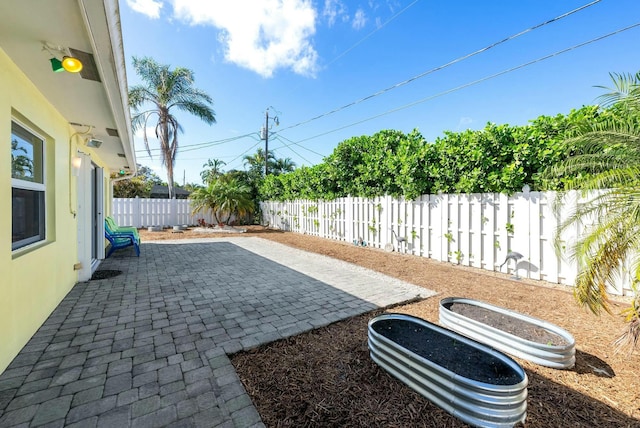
x=473 y=230
x=144 y=212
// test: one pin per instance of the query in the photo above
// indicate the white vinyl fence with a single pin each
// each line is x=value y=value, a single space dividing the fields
x=476 y=230
x=144 y=212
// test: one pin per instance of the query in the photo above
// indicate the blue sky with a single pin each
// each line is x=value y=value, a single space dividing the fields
x=303 y=59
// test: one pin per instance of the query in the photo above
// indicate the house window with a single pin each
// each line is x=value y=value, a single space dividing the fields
x=27 y=187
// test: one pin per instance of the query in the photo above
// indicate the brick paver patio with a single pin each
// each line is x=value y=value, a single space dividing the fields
x=148 y=348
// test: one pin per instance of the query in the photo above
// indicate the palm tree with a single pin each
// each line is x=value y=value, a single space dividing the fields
x=223 y=197
x=212 y=170
x=256 y=162
x=283 y=165
x=605 y=167
x=164 y=90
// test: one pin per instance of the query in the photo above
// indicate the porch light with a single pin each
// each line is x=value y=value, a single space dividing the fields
x=93 y=143
x=71 y=64
x=68 y=62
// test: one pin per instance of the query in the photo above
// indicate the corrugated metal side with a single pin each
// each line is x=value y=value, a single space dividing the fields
x=557 y=357
x=476 y=403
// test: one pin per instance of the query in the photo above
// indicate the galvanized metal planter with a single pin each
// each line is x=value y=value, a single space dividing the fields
x=548 y=355
x=447 y=376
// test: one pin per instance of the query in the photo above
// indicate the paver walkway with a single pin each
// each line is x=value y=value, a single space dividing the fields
x=148 y=348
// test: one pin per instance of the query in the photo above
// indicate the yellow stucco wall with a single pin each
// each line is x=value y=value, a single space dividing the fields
x=33 y=281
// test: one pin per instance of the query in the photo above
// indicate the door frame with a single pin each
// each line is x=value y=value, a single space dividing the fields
x=90 y=217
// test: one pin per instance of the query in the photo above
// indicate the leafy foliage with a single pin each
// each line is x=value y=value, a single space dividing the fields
x=498 y=158
x=223 y=197
x=21 y=163
x=131 y=188
x=212 y=170
x=138 y=186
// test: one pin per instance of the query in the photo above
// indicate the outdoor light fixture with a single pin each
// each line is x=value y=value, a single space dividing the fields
x=68 y=62
x=71 y=64
x=92 y=142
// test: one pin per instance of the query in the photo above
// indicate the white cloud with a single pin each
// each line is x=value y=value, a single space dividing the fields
x=150 y=8
x=359 y=19
x=334 y=9
x=262 y=36
x=393 y=5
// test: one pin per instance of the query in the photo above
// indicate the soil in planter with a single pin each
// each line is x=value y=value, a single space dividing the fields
x=506 y=323
x=447 y=352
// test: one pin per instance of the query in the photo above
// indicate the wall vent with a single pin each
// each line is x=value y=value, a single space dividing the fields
x=89 y=70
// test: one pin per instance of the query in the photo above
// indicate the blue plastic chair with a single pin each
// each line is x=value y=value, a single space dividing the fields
x=111 y=225
x=121 y=240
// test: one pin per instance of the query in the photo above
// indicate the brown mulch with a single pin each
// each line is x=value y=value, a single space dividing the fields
x=325 y=377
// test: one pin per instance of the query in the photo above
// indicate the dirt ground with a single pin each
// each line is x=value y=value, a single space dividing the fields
x=326 y=378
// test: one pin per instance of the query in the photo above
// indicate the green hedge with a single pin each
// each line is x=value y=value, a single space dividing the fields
x=498 y=158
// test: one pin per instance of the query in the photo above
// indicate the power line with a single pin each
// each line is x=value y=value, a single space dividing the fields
x=362 y=40
x=289 y=147
x=243 y=153
x=462 y=58
x=204 y=145
x=299 y=145
x=475 y=82
x=359 y=42
x=188 y=159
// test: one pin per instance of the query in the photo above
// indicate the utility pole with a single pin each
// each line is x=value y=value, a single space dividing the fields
x=264 y=135
x=266 y=142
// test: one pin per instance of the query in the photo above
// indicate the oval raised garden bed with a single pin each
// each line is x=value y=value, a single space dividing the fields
x=516 y=334
x=471 y=381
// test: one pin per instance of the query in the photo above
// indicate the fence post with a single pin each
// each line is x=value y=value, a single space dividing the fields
x=535 y=234
x=464 y=226
x=475 y=248
x=503 y=216
x=521 y=224
x=321 y=210
x=135 y=213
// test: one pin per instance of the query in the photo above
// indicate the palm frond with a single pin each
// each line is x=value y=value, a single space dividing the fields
x=625 y=86
x=603 y=165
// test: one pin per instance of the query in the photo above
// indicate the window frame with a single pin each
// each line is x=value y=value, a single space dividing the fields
x=32 y=186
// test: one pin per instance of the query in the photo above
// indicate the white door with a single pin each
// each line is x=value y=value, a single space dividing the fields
x=90 y=215
x=97 y=216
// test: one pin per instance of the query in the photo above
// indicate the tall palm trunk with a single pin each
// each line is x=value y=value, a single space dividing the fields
x=167 y=153
x=170 y=179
